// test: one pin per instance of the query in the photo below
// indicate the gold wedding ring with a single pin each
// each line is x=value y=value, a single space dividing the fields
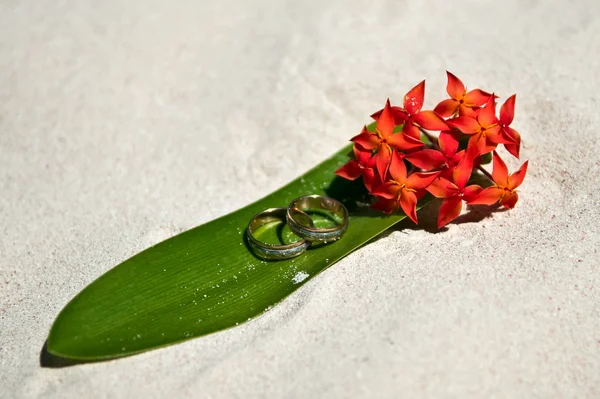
x=301 y=224
x=273 y=251
x=297 y=212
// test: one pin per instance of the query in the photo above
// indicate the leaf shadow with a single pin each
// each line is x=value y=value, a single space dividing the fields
x=48 y=360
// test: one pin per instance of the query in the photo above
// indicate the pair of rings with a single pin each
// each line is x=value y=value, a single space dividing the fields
x=301 y=224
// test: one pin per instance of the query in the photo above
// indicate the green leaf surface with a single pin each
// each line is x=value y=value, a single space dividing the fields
x=205 y=279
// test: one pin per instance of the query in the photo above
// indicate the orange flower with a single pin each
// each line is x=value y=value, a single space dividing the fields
x=445 y=160
x=454 y=192
x=411 y=116
x=507 y=114
x=460 y=102
x=403 y=189
x=504 y=189
x=484 y=128
x=383 y=140
x=363 y=165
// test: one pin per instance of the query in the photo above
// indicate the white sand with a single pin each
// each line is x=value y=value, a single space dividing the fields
x=123 y=123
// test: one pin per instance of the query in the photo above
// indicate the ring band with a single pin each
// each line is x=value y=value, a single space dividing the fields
x=300 y=205
x=273 y=251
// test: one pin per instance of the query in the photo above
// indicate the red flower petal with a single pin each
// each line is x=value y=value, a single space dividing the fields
x=411 y=130
x=486 y=147
x=385 y=122
x=420 y=194
x=387 y=190
x=510 y=135
x=408 y=203
x=370 y=179
x=446 y=172
x=382 y=160
x=397 y=168
x=449 y=210
x=442 y=188
x=448 y=143
x=458 y=156
x=399 y=114
x=404 y=142
x=494 y=136
x=413 y=100
x=427 y=159
x=464 y=110
x=367 y=140
x=488 y=196
x=476 y=98
x=514 y=149
x=487 y=114
x=385 y=205
x=476 y=144
x=510 y=199
x=429 y=120
x=463 y=170
x=471 y=192
x=420 y=180
x=350 y=170
x=500 y=171
x=465 y=124
x=376 y=115
x=446 y=108
x=516 y=179
x=507 y=111
x=455 y=87
x=363 y=156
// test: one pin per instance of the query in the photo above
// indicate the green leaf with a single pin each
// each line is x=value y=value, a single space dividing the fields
x=205 y=279
x=486 y=158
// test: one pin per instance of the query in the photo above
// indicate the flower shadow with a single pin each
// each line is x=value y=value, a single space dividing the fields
x=428 y=218
x=356 y=198
x=477 y=213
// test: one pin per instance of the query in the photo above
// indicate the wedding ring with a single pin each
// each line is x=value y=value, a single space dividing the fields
x=297 y=211
x=273 y=251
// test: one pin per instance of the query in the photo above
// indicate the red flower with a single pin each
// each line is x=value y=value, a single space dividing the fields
x=443 y=169
x=460 y=102
x=484 y=129
x=363 y=165
x=411 y=115
x=445 y=160
x=454 y=192
x=383 y=140
x=402 y=189
x=504 y=189
x=507 y=114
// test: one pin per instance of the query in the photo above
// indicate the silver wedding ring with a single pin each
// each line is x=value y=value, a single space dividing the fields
x=301 y=224
x=296 y=219
x=273 y=251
